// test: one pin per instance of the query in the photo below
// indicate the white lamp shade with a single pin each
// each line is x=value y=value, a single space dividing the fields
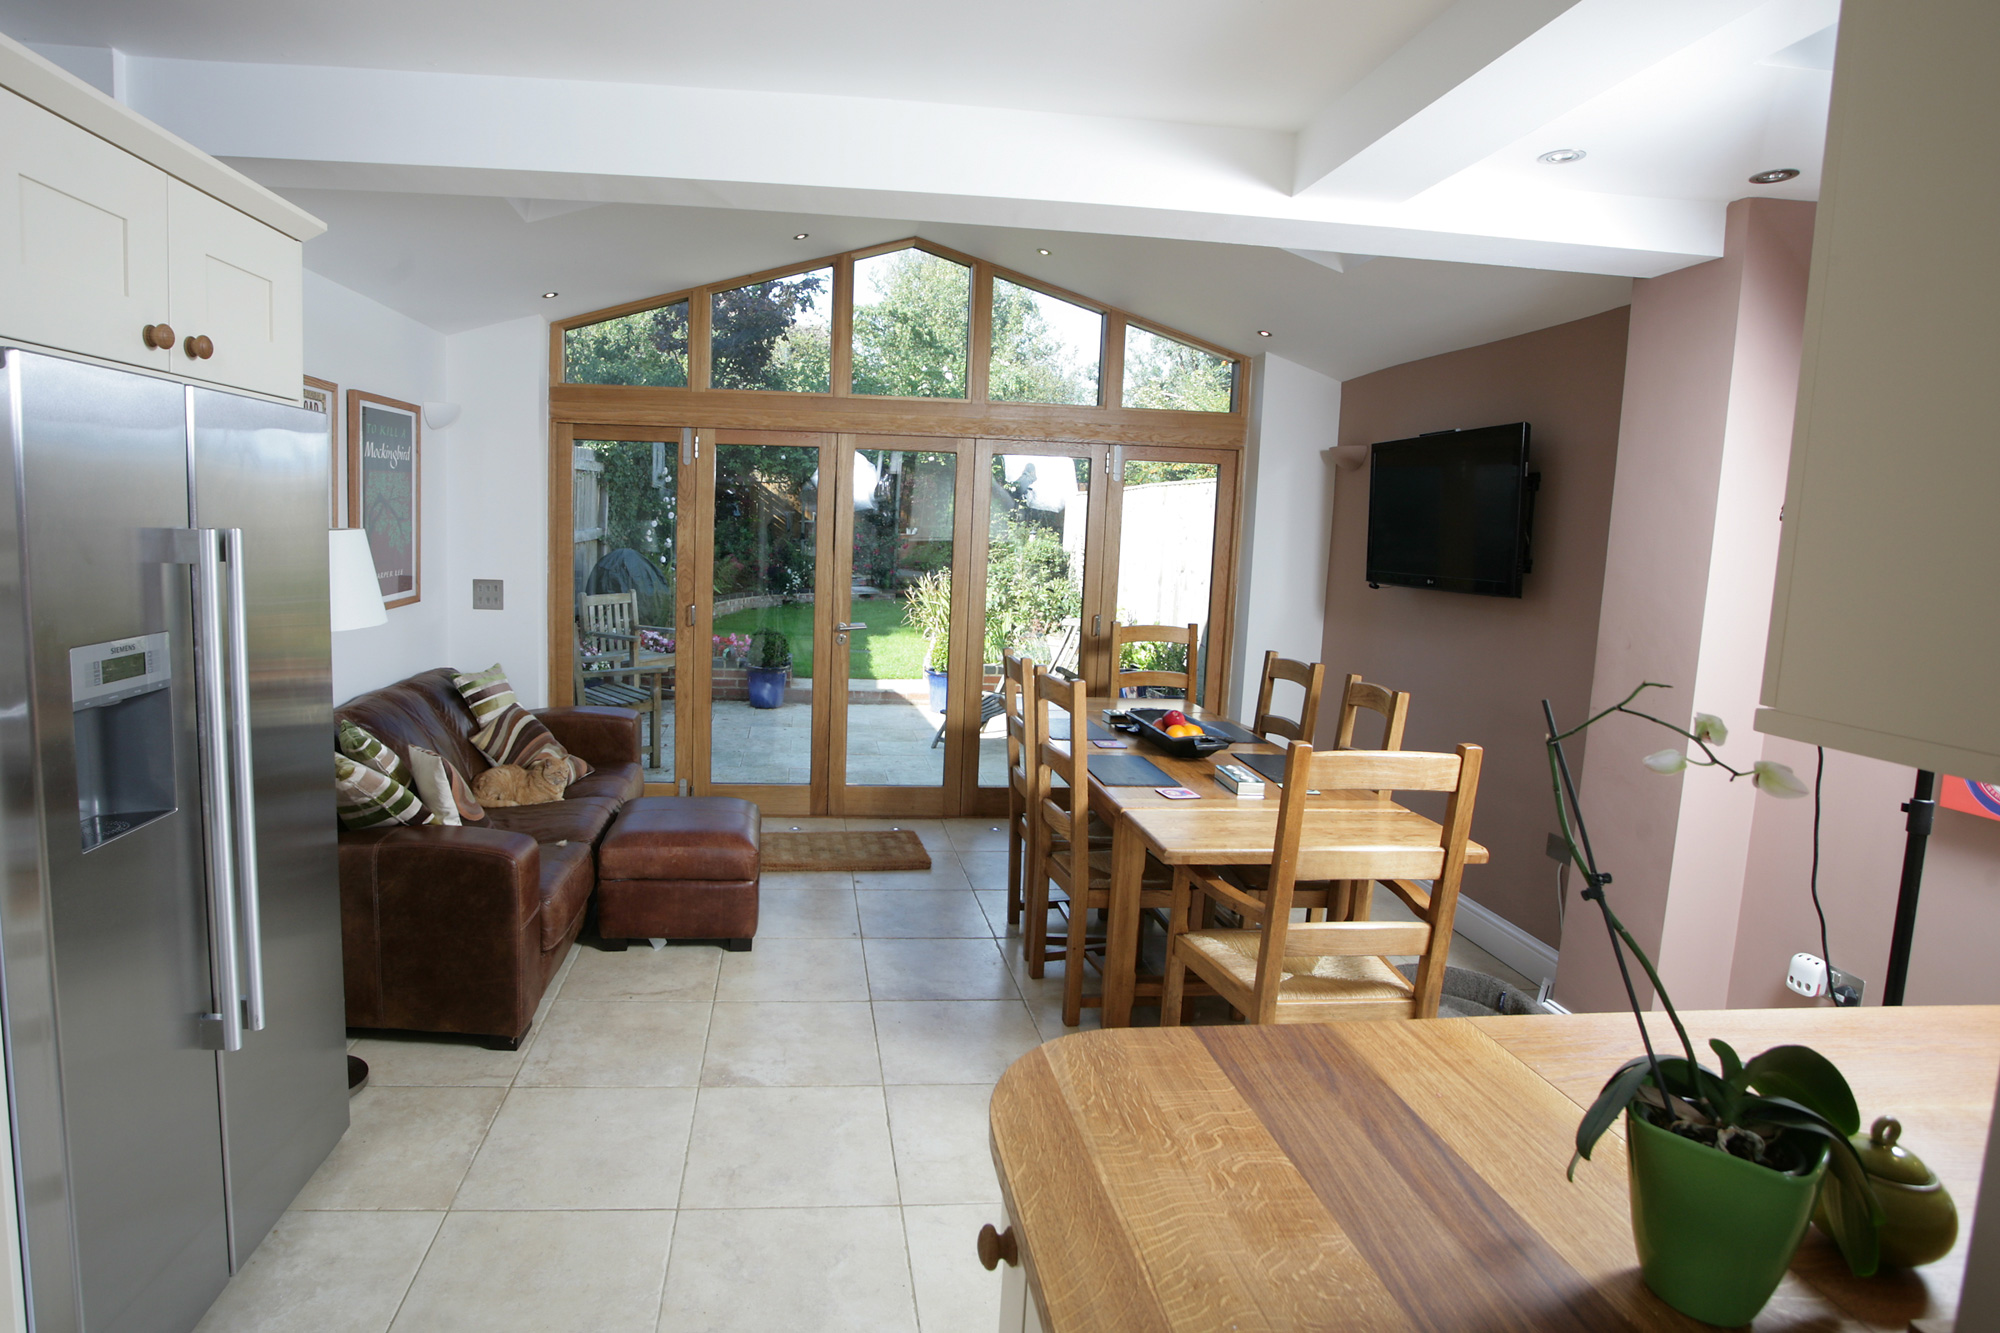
x=355 y=592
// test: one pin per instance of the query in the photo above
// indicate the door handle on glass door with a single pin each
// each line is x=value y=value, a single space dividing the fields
x=848 y=627
x=243 y=796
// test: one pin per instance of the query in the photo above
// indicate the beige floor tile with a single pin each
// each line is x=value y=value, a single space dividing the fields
x=946 y=872
x=940 y=1136
x=618 y=1044
x=778 y=1044
x=805 y=879
x=938 y=969
x=641 y=972
x=993 y=905
x=325 y=1273
x=789 y=1148
x=404 y=1148
x=795 y=970
x=813 y=914
x=578 y=1272
x=434 y=1060
x=930 y=832
x=978 y=835
x=934 y=916
x=953 y=1291
x=829 y=1270
x=986 y=870
x=582 y=1148
x=952 y=1041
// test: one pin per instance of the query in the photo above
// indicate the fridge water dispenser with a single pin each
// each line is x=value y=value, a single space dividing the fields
x=123 y=714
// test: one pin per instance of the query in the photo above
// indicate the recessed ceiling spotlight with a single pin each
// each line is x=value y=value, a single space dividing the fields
x=1556 y=157
x=1263 y=333
x=1041 y=252
x=1774 y=177
x=800 y=236
x=550 y=296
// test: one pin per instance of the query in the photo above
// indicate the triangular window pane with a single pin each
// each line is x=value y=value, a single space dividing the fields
x=647 y=348
x=1045 y=350
x=1167 y=373
x=774 y=335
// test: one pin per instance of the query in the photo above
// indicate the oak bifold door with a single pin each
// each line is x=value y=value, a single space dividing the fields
x=815 y=620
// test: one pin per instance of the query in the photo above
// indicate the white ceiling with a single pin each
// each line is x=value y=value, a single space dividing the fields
x=1221 y=166
x=459 y=262
x=1266 y=65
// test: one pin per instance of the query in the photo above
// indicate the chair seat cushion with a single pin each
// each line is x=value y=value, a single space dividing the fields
x=1324 y=977
x=617 y=782
x=579 y=820
x=565 y=887
x=682 y=838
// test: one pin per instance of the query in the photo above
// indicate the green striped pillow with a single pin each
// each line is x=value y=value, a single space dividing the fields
x=508 y=733
x=366 y=798
x=358 y=745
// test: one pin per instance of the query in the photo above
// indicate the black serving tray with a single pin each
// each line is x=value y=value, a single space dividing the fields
x=1146 y=723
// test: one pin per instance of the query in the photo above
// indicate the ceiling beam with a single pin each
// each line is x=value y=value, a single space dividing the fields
x=1481 y=75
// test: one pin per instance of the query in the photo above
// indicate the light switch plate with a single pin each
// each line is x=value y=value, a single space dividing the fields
x=488 y=594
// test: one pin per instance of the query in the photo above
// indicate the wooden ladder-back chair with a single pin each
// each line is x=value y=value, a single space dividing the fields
x=1060 y=848
x=1017 y=683
x=1357 y=694
x=1184 y=680
x=1311 y=675
x=1297 y=972
x=608 y=669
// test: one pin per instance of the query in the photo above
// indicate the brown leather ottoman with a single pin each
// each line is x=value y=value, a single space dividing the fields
x=679 y=867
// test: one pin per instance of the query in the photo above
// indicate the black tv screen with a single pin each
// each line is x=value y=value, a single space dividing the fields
x=1452 y=511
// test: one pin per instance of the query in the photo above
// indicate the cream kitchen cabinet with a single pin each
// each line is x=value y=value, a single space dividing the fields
x=119 y=241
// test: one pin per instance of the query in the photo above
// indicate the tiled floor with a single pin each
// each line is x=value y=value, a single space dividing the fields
x=692 y=1141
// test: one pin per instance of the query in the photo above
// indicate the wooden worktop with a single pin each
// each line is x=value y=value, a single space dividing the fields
x=1410 y=1175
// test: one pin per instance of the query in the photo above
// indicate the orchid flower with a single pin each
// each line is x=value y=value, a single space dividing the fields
x=1778 y=779
x=1666 y=761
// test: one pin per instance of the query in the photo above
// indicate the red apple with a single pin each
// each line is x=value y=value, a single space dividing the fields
x=1173 y=717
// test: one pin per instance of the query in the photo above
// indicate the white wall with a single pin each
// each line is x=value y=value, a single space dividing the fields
x=360 y=344
x=1287 y=520
x=499 y=500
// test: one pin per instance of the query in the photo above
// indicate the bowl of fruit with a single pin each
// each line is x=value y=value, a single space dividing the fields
x=1174 y=732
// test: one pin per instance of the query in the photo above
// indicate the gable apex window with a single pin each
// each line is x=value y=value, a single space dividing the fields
x=1163 y=372
x=912 y=325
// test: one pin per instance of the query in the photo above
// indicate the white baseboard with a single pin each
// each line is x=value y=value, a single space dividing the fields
x=1504 y=940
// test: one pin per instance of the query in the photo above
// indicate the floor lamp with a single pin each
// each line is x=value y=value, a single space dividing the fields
x=354 y=601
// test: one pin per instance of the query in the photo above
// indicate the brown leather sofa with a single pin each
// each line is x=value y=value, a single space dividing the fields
x=460 y=929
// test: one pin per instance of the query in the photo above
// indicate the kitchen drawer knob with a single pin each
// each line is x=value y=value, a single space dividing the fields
x=160 y=336
x=996 y=1247
x=198 y=348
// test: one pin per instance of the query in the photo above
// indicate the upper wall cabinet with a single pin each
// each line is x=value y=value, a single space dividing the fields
x=121 y=242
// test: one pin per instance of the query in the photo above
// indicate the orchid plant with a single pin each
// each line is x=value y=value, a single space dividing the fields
x=1784 y=1109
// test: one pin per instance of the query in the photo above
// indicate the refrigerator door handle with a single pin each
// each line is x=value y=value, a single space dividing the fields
x=212 y=711
x=243 y=796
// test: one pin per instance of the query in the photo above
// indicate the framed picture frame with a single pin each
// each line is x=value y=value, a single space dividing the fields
x=385 y=489
x=323 y=396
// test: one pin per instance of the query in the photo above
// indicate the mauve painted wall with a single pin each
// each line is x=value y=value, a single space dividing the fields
x=1477 y=666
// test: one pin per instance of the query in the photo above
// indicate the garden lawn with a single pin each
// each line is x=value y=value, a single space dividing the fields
x=891 y=649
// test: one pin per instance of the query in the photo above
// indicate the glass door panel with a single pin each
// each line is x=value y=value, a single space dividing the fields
x=898 y=637
x=1166 y=555
x=1038 y=517
x=625 y=500
x=764 y=565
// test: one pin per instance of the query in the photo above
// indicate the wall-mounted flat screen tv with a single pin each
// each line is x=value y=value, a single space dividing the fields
x=1452 y=511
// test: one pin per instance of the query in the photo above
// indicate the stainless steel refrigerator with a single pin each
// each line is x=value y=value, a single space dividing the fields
x=170 y=914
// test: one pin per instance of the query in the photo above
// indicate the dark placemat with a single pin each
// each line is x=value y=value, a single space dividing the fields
x=1219 y=727
x=1059 y=728
x=1272 y=766
x=1128 y=770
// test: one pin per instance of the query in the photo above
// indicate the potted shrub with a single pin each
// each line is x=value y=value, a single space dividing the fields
x=769 y=667
x=1726 y=1162
x=927 y=606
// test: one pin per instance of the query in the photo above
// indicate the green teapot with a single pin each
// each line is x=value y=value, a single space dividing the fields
x=1920 y=1222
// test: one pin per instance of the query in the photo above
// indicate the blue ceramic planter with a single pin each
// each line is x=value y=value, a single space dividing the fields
x=767 y=685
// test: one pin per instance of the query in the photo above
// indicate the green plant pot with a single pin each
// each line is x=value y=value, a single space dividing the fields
x=1714 y=1232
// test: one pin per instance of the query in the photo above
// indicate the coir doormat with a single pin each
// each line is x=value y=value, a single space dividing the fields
x=874 y=849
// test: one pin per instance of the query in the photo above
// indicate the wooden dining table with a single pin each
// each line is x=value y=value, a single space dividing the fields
x=1397 y=1176
x=1221 y=828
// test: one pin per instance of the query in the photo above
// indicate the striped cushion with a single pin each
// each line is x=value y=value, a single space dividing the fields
x=367 y=798
x=363 y=748
x=508 y=733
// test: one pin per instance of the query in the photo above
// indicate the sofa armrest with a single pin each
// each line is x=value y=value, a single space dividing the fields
x=603 y=736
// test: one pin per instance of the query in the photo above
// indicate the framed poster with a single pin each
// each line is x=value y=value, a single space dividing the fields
x=323 y=396
x=385 y=489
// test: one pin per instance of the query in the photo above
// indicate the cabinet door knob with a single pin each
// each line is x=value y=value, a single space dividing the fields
x=198 y=348
x=160 y=336
x=996 y=1247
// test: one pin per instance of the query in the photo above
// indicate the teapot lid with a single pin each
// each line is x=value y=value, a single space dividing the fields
x=1881 y=1158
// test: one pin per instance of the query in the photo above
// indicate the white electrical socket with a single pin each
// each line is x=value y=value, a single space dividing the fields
x=1807 y=975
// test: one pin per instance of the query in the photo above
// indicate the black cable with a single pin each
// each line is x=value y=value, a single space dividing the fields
x=1819 y=779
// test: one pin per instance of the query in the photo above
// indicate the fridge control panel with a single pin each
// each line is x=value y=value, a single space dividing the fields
x=105 y=673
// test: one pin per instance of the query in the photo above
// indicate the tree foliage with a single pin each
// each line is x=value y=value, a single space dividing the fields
x=1164 y=373
x=649 y=347
x=911 y=340
x=763 y=336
